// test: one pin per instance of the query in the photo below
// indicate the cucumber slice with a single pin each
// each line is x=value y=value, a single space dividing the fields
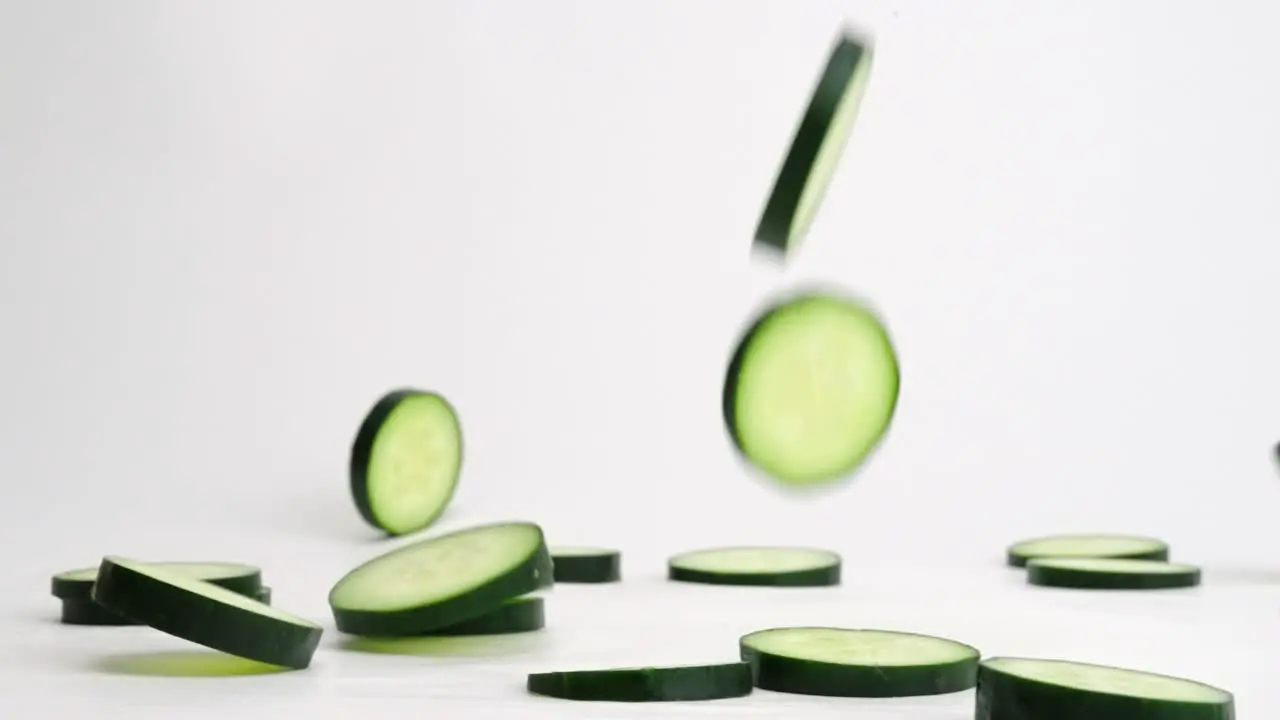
x=523 y=614
x=811 y=389
x=817 y=146
x=858 y=663
x=646 y=684
x=442 y=581
x=1111 y=574
x=773 y=566
x=406 y=460
x=1030 y=689
x=1087 y=546
x=263 y=595
x=88 y=612
x=204 y=613
x=586 y=565
x=238 y=577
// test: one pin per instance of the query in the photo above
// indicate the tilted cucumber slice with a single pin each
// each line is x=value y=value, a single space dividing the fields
x=1032 y=689
x=523 y=614
x=1111 y=574
x=858 y=663
x=811 y=388
x=586 y=564
x=1087 y=546
x=442 y=581
x=817 y=146
x=241 y=578
x=646 y=684
x=84 y=611
x=406 y=460
x=204 y=613
x=748 y=565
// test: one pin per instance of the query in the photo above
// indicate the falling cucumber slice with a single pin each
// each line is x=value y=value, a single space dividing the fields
x=1031 y=689
x=1111 y=574
x=204 y=613
x=442 y=581
x=405 y=461
x=811 y=389
x=817 y=146
x=517 y=615
x=1087 y=546
x=858 y=663
x=237 y=577
x=586 y=564
x=646 y=684
x=771 y=566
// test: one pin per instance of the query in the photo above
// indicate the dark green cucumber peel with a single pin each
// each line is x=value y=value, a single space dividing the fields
x=647 y=684
x=88 y=612
x=237 y=577
x=849 y=390
x=1031 y=689
x=453 y=586
x=518 y=615
x=837 y=662
x=1134 y=547
x=1111 y=574
x=815 y=149
x=757 y=566
x=204 y=613
x=434 y=492
x=586 y=565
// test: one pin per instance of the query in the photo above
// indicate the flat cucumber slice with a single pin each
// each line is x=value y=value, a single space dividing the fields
x=204 y=613
x=406 y=460
x=1111 y=574
x=646 y=684
x=858 y=663
x=811 y=389
x=442 y=581
x=1030 y=689
x=817 y=146
x=772 y=566
x=518 y=615
x=238 y=577
x=1087 y=546
x=88 y=612
x=586 y=564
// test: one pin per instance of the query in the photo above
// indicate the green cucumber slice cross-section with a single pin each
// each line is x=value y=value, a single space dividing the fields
x=858 y=663
x=204 y=613
x=761 y=566
x=442 y=581
x=586 y=564
x=1032 y=689
x=1087 y=546
x=1111 y=574
x=646 y=684
x=406 y=460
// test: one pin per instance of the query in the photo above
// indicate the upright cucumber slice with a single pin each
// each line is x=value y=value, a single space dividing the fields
x=586 y=564
x=205 y=613
x=858 y=663
x=442 y=581
x=523 y=614
x=646 y=684
x=238 y=577
x=773 y=566
x=811 y=389
x=406 y=460
x=1030 y=689
x=816 y=148
x=1087 y=546
x=1111 y=574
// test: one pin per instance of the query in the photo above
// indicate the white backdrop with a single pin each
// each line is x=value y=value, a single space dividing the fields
x=226 y=228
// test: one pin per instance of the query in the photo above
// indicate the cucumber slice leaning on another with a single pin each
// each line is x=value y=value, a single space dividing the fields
x=817 y=146
x=237 y=577
x=586 y=564
x=1087 y=546
x=1111 y=574
x=518 y=615
x=204 y=613
x=858 y=663
x=1032 y=689
x=761 y=566
x=646 y=684
x=811 y=388
x=442 y=581
x=405 y=461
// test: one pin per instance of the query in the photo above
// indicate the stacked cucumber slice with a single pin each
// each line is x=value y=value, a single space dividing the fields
x=1101 y=562
x=75 y=589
